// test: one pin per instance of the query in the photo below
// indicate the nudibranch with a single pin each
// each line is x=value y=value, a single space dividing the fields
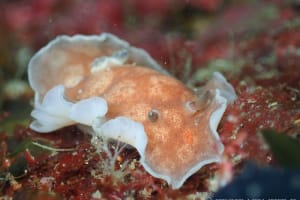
x=121 y=93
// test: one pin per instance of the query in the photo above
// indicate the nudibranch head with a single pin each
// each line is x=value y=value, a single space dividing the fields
x=123 y=94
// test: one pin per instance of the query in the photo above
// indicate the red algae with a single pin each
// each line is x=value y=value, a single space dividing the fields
x=76 y=174
x=267 y=82
x=254 y=111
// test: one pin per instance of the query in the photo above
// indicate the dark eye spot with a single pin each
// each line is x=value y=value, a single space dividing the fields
x=153 y=115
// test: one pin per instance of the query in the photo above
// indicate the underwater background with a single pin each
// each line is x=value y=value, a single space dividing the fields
x=255 y=44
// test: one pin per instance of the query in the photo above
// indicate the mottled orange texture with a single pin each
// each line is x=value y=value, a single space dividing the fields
x=188 y=136
x=179 y=138
x=174 y=127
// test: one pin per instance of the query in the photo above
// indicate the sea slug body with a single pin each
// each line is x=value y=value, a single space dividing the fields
x=121 y=93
